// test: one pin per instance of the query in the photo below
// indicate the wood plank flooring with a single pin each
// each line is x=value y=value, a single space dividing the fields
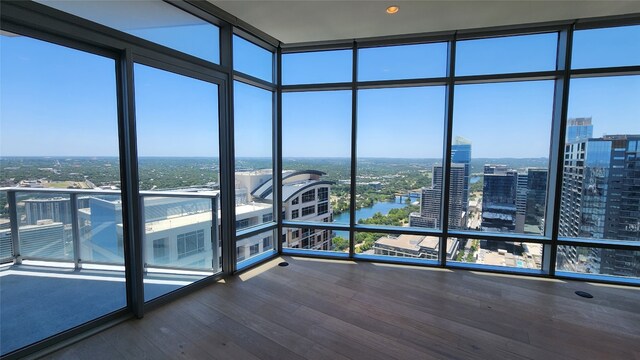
x=322 y=309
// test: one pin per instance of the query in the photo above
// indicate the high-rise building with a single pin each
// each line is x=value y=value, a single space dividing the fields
x=521 y=201
x=531 y=195
x=491 y=169
x=536 y=199
x=461 y=154
x=499 y=198
x=579 y=129
x=57 y=209
x=178 y=230
x=430 y=200
x=601 y=200
x=305 y=197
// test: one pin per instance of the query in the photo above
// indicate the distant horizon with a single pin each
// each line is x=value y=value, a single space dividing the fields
x=242 y=157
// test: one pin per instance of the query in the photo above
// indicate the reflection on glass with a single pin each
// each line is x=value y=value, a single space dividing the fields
x=253 y=246
x=100 y=227
x=315 y=239
x=521 y=255
x=178 y=233
x=600 y=195
x=177 y=131
x=400 y=246
x=45 y=232
x=6 y=246
x=317 y=67
x=253 y=150
x=500 y=156
x=616 y=46
x=588 y=260
x=402 y=62
x=316 y=138
x=400 y=156
x=252 y=59
x=505 y=55
x=152 y=20
x=58 y=132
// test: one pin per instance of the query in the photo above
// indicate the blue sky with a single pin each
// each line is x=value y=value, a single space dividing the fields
x=175 y=115
x=58 y=101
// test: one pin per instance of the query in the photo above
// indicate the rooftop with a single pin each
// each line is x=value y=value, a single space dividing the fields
x=410 y=242
x=176 y=222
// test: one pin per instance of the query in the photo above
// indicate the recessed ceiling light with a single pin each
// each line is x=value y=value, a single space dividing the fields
x=392 y=9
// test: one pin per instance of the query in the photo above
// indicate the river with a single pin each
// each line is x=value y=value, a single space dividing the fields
x=382 y=207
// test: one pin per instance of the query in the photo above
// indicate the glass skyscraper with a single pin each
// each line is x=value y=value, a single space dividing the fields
x=601 y=199
x=461 y=154
x=579 y=129
x=499 y=198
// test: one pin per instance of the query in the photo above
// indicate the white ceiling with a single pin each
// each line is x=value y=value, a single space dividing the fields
x=308 y=21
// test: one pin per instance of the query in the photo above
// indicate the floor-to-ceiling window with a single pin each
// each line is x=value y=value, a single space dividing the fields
x=489 y=109
x=59 y=160
x=110 y=157
x=399 y=146
x=316 y=149
x=178 y=152
x=255 y=201
x=600 y=198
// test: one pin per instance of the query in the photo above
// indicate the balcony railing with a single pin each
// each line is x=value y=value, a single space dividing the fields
x=85 y=227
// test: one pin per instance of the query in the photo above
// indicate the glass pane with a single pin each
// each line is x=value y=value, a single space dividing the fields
x=506 y=126
x=317 y=67
x=521 y=255
x=99 y=223
x=600 y=194
x=6 y=245
x=510 y=54
x=58 y=135
x=152 y=20
x=398 y=246
x=253 y=150
x=251 y=247
x=394 y=172
x=45 y=232
x=588 y=260
x=402 y=62
x=252 y=59
x=316 y=150
x=315 y=239
x=178 y=232
x=606 y=47
x=177 y=129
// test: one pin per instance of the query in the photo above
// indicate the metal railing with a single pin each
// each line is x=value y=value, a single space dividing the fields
x=73 y=227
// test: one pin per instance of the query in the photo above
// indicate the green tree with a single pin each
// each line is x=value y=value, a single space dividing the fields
x=340 y=243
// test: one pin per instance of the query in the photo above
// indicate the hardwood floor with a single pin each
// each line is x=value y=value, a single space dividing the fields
x=322 y=309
